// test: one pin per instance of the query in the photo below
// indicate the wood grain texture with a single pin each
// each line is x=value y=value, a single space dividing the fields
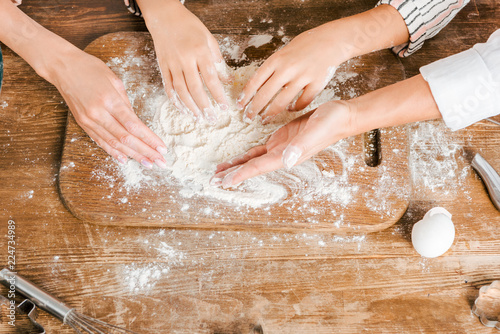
x=381 y=199
x=239 y=282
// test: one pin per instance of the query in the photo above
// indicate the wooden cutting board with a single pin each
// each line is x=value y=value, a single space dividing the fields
x=93 y=188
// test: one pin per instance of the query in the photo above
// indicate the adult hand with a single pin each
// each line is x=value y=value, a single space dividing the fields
x=305 y=65
x=93 y=93
x=292 y=144
x=98 y=100
x=187 y=55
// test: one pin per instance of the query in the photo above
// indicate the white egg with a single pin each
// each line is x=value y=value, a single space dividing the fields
x=434 y=234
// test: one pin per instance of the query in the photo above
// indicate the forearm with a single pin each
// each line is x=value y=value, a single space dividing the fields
x=379 y=28
x=404 y=102
x=35 y=44
x=152 y=11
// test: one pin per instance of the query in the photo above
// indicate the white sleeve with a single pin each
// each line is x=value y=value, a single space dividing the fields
x=466 y=86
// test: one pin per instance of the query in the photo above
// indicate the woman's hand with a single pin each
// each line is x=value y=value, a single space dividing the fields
x=94 y=94
x=187 y=54
x=292 y=144
x=98 y=100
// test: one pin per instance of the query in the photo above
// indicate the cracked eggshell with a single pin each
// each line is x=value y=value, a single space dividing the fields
x=434 y=234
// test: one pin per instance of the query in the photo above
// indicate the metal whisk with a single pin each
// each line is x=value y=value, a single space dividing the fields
x=36 y=296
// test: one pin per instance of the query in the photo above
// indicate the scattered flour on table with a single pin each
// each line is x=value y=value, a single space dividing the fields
x=259 y=40
x=235 y=50
x=169 y=256
x=142 y=277
x=437 y=160
x=232 y=50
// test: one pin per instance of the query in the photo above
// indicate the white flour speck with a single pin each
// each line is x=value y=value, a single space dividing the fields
x=141 y=278
x=259 y=40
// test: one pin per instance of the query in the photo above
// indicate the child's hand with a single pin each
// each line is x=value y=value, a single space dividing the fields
x=306 y=64
x=292 y=144
x=187 y=53
x=309 y=61
x=98 y=100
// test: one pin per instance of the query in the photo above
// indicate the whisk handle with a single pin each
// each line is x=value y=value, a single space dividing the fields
x=39 y=297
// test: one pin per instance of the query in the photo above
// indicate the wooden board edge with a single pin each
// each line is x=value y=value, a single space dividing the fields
x=60 y=184
x=251 y=227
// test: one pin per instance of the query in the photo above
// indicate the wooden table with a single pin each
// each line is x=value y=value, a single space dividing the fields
x=162 y=281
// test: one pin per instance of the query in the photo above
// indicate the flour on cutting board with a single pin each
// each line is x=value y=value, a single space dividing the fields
x=195 y=148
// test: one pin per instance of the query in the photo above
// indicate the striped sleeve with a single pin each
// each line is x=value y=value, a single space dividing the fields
x=133 y=7
x=424 y=19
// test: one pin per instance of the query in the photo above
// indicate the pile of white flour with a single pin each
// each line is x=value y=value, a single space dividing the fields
x=197 y=147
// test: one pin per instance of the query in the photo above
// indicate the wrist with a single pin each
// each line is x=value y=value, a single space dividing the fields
x=43 y=50
x=378 y=28
x=335 y=36
x=352 y=124
x=404 y=102
x=57 y=57
x=343 y=121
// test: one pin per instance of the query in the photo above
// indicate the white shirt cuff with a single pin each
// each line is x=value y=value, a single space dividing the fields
x=463 y=88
